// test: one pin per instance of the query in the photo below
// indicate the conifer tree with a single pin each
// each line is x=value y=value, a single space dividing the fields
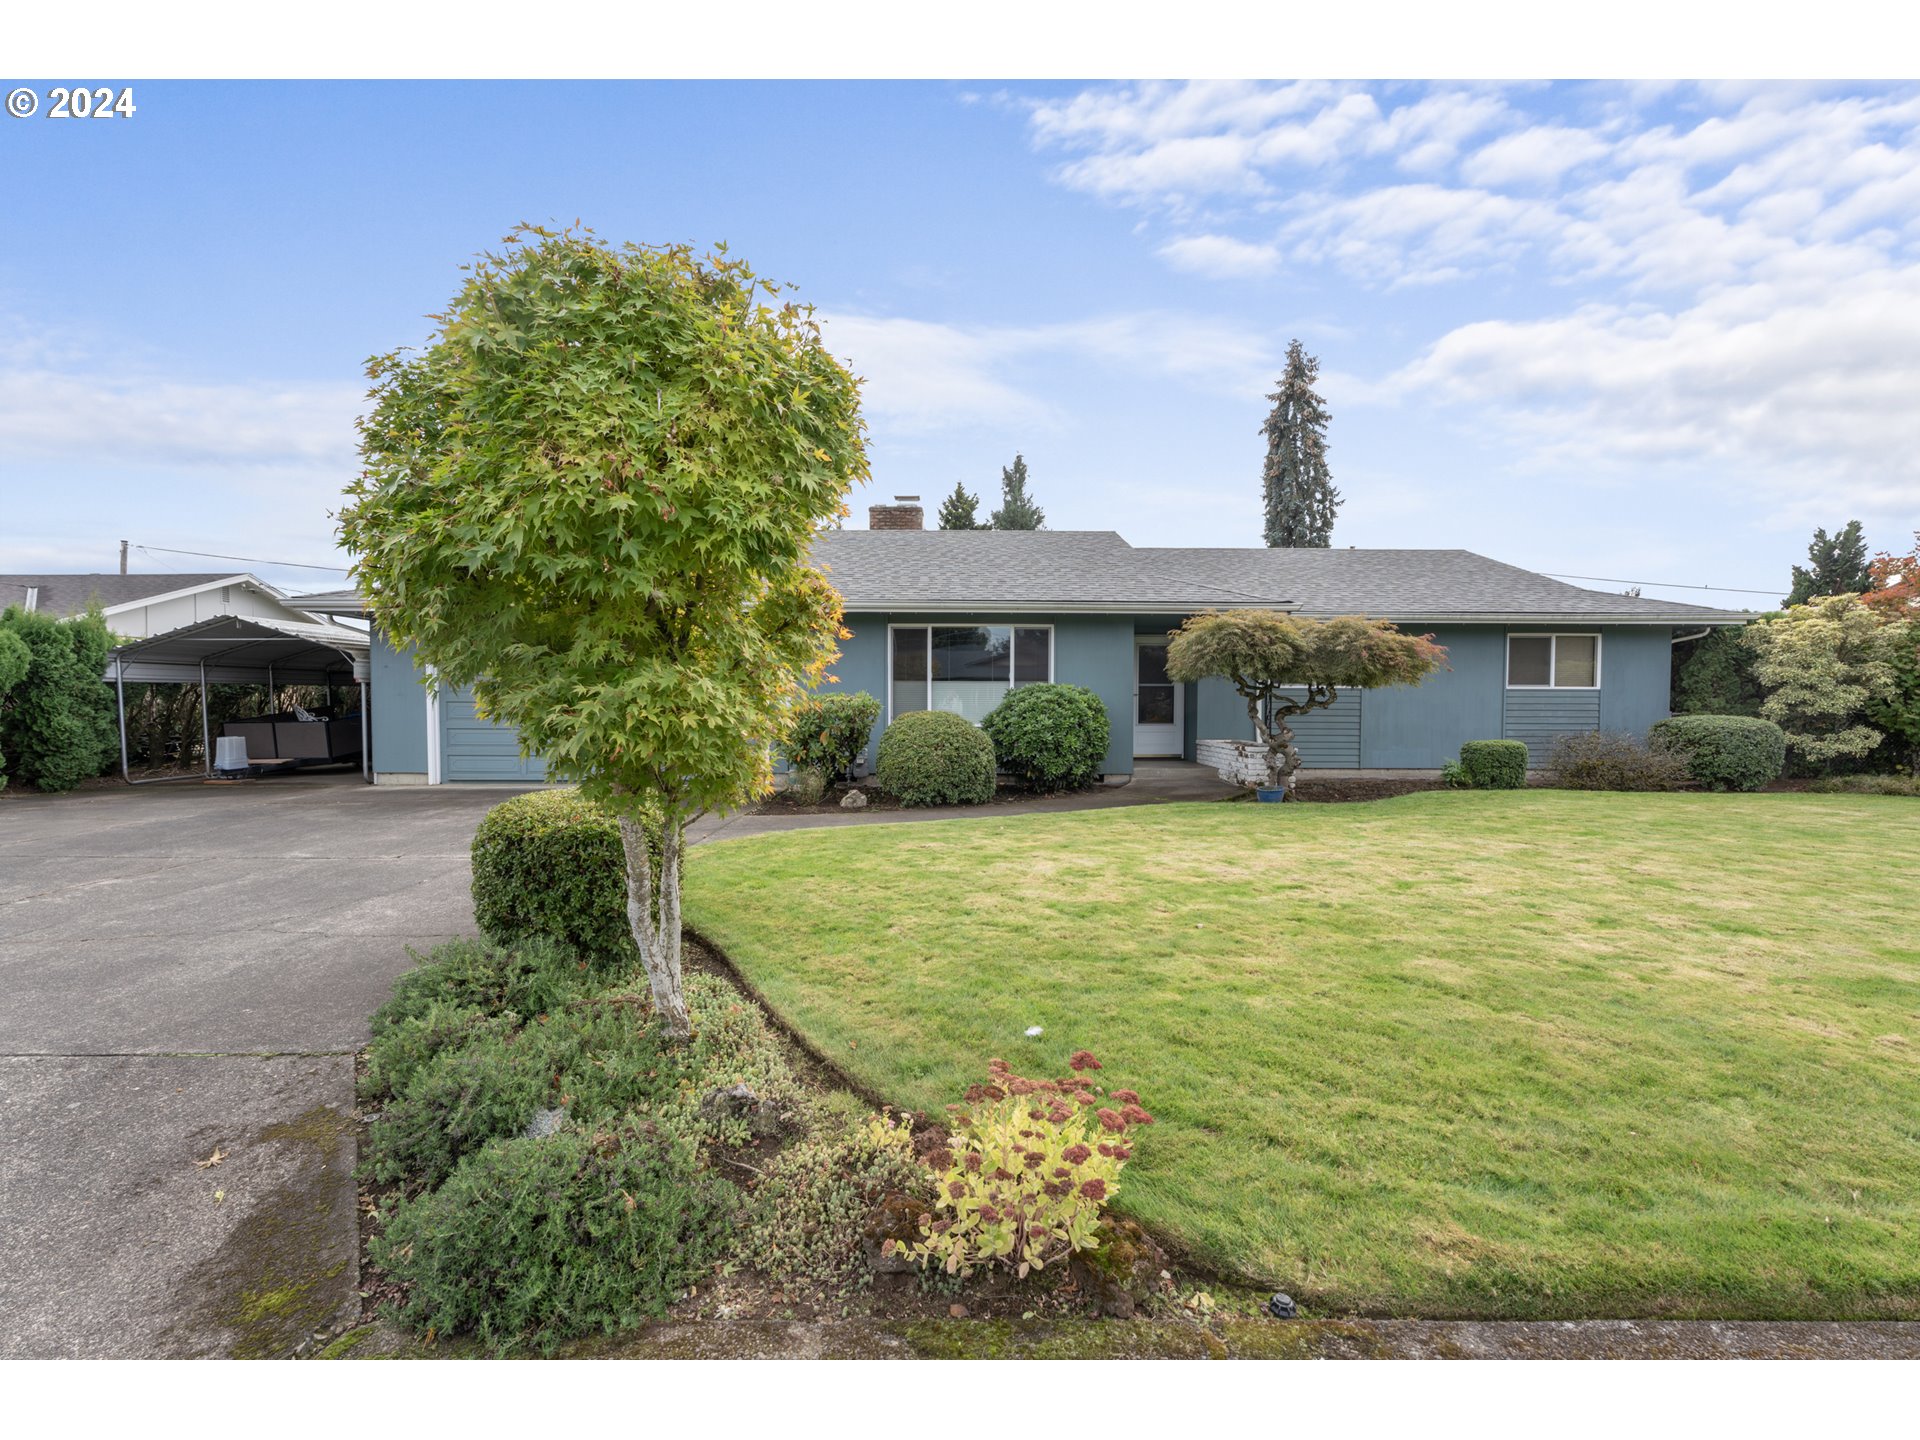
x=1017 y=510
x=961 y=510
x=1296 y=486
x=1836 y=565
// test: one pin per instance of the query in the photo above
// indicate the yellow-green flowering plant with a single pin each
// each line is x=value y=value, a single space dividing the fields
x=1030 y=1165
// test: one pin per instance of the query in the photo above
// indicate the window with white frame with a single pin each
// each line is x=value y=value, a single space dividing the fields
x=967 y=669
x=1553 y=662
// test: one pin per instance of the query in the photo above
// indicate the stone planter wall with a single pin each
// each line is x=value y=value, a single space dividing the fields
x=1240 y=762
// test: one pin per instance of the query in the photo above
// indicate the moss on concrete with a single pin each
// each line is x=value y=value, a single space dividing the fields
x=274 y=1282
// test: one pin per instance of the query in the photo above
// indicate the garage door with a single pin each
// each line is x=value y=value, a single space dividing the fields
x=474 y=748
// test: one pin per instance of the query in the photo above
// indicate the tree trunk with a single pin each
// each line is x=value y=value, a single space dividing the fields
x=1283 y=757
x=653 y=915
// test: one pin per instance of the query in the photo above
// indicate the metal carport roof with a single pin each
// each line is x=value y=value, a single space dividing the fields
x=234 y=649
x=239 y=650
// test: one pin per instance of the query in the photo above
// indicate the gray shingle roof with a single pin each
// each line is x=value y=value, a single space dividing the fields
x=996 y=570
x=69 y=594
x=330 y=602
x=1415 y=584
x=1012 y=569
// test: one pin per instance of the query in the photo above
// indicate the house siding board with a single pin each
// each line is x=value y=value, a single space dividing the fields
x=1095 y=651
x=398 y=715
x=1538 y=717
x=475 y=748
x=1421 y=727
x=1328 y=739
x=1418 y=727
x=1636 y=678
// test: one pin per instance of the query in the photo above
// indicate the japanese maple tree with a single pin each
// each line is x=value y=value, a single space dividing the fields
x=1263 y=653
x=590 y=497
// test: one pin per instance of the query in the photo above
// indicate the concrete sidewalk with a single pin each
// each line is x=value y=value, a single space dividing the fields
x=186 y=970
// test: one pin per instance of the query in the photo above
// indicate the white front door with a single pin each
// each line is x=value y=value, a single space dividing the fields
x=1159 y=705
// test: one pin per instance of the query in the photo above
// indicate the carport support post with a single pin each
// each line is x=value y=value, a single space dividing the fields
x=120 y=688
x=366 y=759
x=206 y=730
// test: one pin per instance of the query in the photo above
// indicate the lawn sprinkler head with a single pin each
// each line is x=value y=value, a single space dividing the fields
x=1281 y=1307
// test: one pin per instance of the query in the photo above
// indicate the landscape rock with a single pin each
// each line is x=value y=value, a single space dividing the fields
x=740 y=1102
x=854 y=800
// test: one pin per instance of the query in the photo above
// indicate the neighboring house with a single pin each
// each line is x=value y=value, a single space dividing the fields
x=139 y=606
x=952 y=620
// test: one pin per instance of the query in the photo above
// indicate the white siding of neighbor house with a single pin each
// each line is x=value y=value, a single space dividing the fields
x=156 y=617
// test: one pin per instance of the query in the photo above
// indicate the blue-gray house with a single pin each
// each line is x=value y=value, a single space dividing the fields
x=952 y=620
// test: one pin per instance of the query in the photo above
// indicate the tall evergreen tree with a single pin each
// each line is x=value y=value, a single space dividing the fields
x=1017 y=510
x=1836 y=565
x=961 y=510
x=1296 y=486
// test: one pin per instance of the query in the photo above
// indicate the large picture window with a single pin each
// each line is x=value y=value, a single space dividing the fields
x=1553 y=662
x=967 y=669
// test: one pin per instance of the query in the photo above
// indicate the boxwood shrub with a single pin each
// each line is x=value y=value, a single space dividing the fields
x=1495 y=764
x=1726 y=752
x=551 y=863
x=934 y=757
x=1050 y=737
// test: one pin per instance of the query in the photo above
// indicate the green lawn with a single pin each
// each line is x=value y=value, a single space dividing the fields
x=1539 y=1053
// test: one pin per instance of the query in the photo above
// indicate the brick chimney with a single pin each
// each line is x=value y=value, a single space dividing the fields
x=903 y=514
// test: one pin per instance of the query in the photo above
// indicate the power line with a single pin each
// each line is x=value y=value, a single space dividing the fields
x=1658 y=584
x=250 y=559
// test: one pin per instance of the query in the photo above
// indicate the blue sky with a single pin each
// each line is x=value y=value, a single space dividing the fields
x=1655 y=332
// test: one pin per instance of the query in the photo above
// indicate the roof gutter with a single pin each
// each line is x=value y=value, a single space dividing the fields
x=1548 y=617
x=1051 y=607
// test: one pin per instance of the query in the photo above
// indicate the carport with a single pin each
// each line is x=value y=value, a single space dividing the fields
x=237 y=650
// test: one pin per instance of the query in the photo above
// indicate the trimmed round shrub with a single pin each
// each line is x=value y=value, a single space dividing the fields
x=1726 y=752
x=1495 y=764
x=1050 y=737
x=934 y=757
x=551 y=863
x=531 y=1242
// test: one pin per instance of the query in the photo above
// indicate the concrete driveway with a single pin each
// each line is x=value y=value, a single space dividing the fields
x=187 y=969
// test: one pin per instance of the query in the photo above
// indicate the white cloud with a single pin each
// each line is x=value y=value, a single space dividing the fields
x=1173 y=145
x=1415 y=234
x=1742 y=272
x=1220 y=256
x=141 y=419
x=65 y=399
x=1535 y=155
x=94 y=446
x=1791 y=396
x=924 y=375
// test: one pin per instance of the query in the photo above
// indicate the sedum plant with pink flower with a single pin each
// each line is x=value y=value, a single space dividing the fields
x=1030 y=1165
